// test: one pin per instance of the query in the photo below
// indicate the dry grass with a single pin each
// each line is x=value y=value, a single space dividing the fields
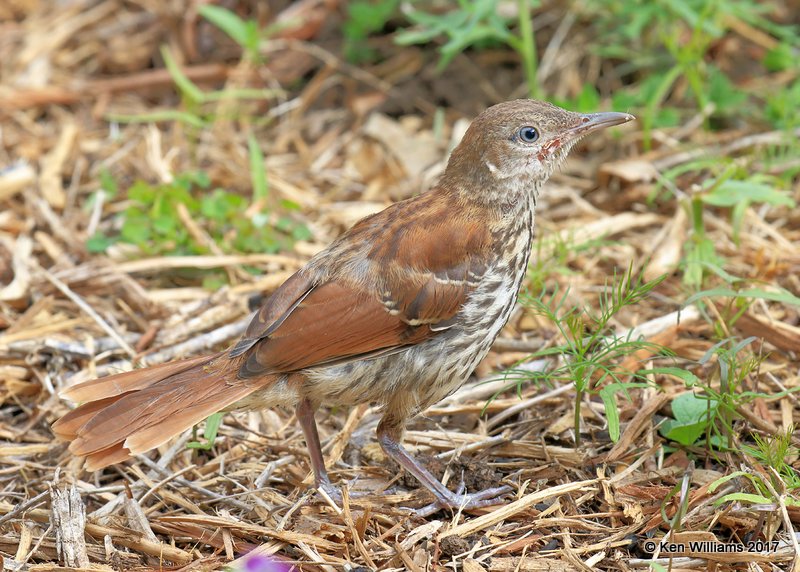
x=67 y=315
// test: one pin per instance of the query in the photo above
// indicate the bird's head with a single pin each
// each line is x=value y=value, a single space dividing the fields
x=520 y=143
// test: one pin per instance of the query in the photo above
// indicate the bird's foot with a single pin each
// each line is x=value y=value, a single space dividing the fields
x=461 y=501
x=328 y=491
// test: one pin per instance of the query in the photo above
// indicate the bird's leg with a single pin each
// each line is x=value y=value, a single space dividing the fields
x=305 y=416
x=390 y=432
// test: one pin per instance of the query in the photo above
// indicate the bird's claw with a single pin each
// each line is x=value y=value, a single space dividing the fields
x=460 y=501
x=330 y=491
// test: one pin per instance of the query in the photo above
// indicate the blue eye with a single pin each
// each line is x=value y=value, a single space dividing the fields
x=528 y=134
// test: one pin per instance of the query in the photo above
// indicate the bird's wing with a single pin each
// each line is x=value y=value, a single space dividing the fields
x=426 y=268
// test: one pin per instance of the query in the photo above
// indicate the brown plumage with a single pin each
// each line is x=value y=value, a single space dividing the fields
x=399 y=310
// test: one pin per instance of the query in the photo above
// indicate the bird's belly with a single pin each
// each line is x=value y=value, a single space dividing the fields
x=431 y=370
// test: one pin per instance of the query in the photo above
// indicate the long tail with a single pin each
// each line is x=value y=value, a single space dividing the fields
x=135 y=411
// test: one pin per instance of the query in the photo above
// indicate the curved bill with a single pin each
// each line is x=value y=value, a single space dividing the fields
x=594 y=121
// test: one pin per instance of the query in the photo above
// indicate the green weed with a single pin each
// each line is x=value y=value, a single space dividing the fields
x=555 y=255
x=591 y=352
x=466 y=24
x=201 y=107
x=709 y=411
x=775 y=453
x=365 y=17
x=782 y=108
x=665 y=45
x=726 y=184
x=246 y=33
x=151 y=221
x=209 y=433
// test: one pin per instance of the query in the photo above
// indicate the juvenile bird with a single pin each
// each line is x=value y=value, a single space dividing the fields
x=397 y=311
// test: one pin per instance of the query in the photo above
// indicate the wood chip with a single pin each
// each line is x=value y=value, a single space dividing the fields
x=69 y=521
x=50 y=179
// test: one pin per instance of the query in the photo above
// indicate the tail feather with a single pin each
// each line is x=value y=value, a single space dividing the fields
x=116 y=454
x=120 y=383
x=153 y=436
x=136 y=411
x=69 y=426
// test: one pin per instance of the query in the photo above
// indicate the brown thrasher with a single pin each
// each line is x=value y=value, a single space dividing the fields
x=398 y=310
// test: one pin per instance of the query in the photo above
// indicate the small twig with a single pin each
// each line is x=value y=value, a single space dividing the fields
x=515 y=345
x=327 y=498
x=200 y=343
x=739 y=144
x=28 y=504
x=265 y=475
x=36 y=546
x=490 y=442
x=30 y=98
x=357 y=73
x=163 y=482
x=194 y=345
x=523 y=405
x=547 y=63
x=787 y=521
x=81 y=303
x=197 y=488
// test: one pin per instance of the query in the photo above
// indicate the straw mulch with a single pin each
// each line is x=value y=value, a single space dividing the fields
x=341 y=142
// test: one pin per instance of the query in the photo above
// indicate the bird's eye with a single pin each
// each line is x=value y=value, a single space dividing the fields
x=528 y=134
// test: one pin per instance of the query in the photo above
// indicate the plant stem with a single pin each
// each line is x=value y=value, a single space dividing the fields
x=698 y=226
x=655 y=101
x=578 y=399
x=527 y=49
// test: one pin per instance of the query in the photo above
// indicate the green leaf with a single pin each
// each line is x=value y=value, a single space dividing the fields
x=364 y=18
x=258 y=172
x=746 y=497
x=688 y=378
x=215 y=206
x=700 y=254
x=199 y=178
x=781 y=57
x=214 y=281
x=730 y=193
x=691 y=418
x=156 y=116
x=99 y=242
x=165 y=224
x=783 y=296
x=228 y=22
x=107 y=182
x=683 y=433
x=722 y=92
x=136 y=228
x=472 y=23
x=301 y=232
x=290 y=205
x=689 y=407
x=722 y=480
x=210 y=433
x=612 y=412
x=588 y=99
x=142 y=193
x=184 y=84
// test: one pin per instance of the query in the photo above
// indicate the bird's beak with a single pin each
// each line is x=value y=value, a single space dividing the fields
x=594 y=121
